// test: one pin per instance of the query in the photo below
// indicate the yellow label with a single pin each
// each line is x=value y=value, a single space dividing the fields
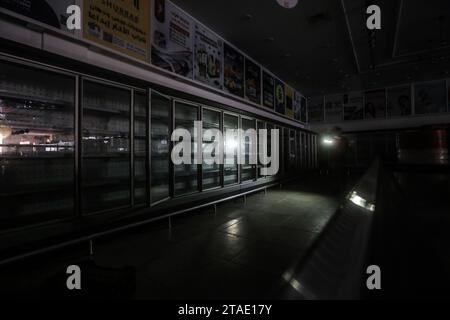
x=121 y=25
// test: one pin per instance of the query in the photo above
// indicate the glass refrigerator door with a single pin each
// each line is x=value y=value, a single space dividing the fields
x=106 y=178
x=248 y=171
x=292 y=152
x=140 y=148
x=261 y=125
x=160 y=145
x=186 y=175
x=211 y=172
x=231 y=171
x=286 y=151
x=37 y=146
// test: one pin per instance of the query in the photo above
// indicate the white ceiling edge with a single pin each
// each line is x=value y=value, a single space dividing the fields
x=384 y=123
x=69 y=47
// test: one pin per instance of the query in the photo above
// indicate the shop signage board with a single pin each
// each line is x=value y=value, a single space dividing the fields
x=172 y=39
x=252 y=81
x=50 y=12
x=268 y=90
x=233 y=68
x=289 y=112
x=119 y=25
x=208 y=54
x=375 y=104
x=399 y=101
x=280 y=97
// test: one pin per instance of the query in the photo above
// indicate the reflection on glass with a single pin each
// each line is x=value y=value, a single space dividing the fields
x=270 y=127
x=211 y=172
x=299 y=150
x=286 y=152
x=186 y=175
x=140 y=148
x=106 y=147
x=160 y=133
x=281 y=150
x=305 y=151
x=292 y=155
x=36 y=144
x=248 y=170
x=230 y=175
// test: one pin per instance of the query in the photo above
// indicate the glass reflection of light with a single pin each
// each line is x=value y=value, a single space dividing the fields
x=231 y=144
x=234 y=228
x=361 y=202
x=289 y=278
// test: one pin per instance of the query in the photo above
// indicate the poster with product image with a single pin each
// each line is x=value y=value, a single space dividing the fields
x=107 y=26
x=375 y=104
x=430 y=97
x=353 y=106
x=289 y=102
x=207 y=56
x=252 y=81
x=233 y=71
x=303 y=109
x=49 y=12
x=172 y=39
x=280 y=97
x=399 y=101
x=268 y=90
x=297 y=105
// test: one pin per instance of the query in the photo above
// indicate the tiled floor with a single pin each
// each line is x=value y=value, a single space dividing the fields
x=241 y=252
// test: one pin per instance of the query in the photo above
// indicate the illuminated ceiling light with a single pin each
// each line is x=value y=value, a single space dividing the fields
x=288 y=4
x=328 y=141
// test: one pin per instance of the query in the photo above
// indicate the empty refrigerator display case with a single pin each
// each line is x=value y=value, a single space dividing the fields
x=160 y=145
x=231 y=169
x=261 y=126
x=140 y=148
x=292 y=151
x=248 y=170
x=37 y=148
x=211 y=172
x=186 y=175
x=106 y=178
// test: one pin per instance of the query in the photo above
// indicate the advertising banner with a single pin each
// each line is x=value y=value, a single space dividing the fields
x=233 y=68
x=315 y=109
x=50 y=12
x=353 y=106
x=399 y=101
x=375 y=104
x=172 y=39
x=207 y=56
x=289 y=112
x=268 y=90
x=120 y=25
x=252 y=81
x=333 y=108
x=303 y=110
x=297 y=105
x=280 y=97
x=430 y=97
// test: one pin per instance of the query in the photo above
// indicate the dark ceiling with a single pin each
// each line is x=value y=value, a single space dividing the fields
x=323 y=46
